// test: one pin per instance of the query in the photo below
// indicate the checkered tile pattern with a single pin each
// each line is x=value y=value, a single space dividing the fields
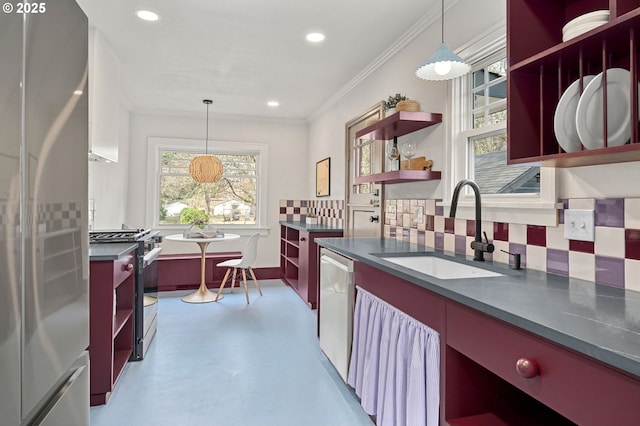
x=613 y=259
x=58 y=216
x=330 y=212
x=50 y=217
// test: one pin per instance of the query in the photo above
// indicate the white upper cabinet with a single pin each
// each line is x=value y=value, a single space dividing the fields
x=104 y=99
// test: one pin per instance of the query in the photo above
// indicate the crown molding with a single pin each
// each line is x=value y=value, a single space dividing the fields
x=427 y=20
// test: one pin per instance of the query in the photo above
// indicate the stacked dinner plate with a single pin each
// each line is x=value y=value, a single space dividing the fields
x=584 y=23
x=578 y=119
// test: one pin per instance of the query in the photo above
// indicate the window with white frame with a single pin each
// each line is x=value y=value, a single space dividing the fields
x=234 y=200
x=486 y=138
x=478 y=146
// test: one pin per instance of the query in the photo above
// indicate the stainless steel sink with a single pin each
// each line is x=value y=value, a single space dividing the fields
x=438 y=267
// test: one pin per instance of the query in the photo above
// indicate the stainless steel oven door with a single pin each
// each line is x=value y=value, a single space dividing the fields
x=150 y=302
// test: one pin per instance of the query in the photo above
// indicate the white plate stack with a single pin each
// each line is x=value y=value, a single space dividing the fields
x=578 y=119
x=584 y=23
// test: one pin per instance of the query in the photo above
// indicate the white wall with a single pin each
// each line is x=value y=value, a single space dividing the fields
x=109 y=183
x=465 y=20
x=287 y=171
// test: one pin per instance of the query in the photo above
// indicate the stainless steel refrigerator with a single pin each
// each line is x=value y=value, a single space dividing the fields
x=44 y=304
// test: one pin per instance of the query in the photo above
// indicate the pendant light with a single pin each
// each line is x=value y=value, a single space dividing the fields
x=443 y=64
x=206 y=168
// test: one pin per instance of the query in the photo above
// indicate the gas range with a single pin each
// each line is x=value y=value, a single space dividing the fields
x=124 y=235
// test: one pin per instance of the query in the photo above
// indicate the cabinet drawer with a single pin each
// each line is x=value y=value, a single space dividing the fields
x=581 y=389
x=123 y=268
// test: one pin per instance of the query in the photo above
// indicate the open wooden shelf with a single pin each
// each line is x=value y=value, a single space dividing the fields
x=541 y=67
x=399 y=124
x=120 y=319
x=399 y=176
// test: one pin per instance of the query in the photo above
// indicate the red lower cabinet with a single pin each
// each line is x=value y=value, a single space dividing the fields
x=496 y=368
x=111 y=302
x=493 y=373
x=299 y=255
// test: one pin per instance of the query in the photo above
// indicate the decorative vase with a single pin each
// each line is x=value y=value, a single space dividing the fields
x=311 y=220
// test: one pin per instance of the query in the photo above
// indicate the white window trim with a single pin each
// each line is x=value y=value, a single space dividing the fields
x=533 y=209
x=155 y=145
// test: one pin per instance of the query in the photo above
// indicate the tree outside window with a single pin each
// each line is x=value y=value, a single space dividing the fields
x=232 y=200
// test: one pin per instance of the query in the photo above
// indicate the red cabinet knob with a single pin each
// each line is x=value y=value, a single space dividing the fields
x=128 y=267
x=303 y=239
x=527 y=368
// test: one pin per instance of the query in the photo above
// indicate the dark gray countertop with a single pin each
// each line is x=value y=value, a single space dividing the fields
x=302 y=226
x=110 y=251
x=596 y=320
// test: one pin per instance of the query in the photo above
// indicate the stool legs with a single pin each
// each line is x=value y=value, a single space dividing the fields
x=244 y=282
x=224 y=281
x=255 y=281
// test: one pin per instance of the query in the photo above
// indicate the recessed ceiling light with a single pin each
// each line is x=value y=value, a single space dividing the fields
x=273 y=103
x=315 y=37
x=77 y=92
x=147 y=15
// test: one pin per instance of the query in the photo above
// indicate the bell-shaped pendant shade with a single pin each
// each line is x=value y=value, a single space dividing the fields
x=443 y=65
x=205 y=168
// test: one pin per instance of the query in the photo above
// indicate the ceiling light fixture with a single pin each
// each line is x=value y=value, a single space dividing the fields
x=147 y=15
x=206 y=168
x=273 y=103
x=315 y=37
x=443 y=64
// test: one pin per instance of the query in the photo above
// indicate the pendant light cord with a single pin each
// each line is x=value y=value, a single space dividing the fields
x=206 y=141
x=442 y=20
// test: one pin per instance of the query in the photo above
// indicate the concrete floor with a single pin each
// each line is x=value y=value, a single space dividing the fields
x=229 y=363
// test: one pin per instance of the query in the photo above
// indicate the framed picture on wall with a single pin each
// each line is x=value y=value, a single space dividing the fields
x=323 y=177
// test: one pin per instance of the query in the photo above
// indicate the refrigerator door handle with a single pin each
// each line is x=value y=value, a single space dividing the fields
x=67 y=404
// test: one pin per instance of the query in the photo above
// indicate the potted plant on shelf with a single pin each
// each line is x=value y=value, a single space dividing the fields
x=399 y=103
x=311 y=219
x=389 y=106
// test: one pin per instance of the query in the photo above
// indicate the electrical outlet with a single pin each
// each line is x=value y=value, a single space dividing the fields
x=579 y=225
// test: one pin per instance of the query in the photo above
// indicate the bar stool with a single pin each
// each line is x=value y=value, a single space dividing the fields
x=249 y=254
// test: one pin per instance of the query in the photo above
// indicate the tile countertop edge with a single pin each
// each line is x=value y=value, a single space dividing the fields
x=307 y=227
x=109 y=251
x=568 y=329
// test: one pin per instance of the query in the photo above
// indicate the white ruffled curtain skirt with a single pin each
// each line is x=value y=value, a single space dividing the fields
x=395 y=364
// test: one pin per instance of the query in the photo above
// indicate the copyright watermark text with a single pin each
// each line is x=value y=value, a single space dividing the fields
x=22 y=8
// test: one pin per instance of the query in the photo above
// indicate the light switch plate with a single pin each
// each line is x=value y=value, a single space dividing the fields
x=579 y=225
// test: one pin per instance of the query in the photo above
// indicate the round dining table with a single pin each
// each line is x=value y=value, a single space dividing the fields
x=202 y=295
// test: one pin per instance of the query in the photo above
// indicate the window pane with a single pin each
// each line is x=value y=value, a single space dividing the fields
x=479 y=99
x=230 y=200
x=498 y=69
x=493 y=175
x=365 y=160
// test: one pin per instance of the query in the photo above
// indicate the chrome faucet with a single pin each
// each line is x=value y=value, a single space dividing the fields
x=478 y=246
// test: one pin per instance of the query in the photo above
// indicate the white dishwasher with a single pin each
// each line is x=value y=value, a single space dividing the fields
x=336 y=308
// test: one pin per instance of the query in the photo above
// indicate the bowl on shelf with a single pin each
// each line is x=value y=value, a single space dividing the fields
x=584 y=23
x=408 y=105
